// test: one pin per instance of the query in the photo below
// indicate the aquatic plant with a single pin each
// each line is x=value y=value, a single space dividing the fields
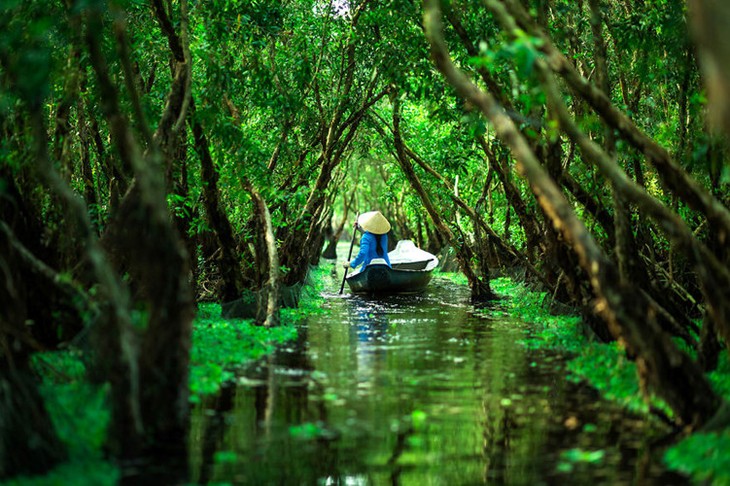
x=573 y=457
x=221 y=345
x=605 y=367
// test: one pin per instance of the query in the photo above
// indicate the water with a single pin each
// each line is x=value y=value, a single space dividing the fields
x=416 y=390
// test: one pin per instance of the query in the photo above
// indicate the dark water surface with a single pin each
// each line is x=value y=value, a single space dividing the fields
x=416 y=391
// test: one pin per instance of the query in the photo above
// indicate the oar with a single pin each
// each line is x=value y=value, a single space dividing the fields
x=349 y=255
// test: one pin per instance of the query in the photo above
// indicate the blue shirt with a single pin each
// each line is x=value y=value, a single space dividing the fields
x=368 y=250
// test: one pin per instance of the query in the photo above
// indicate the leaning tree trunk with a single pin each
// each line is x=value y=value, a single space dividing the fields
x=148 y=369
x=480 y=289
x=505 y=251
x=665 y=369
x=527 y=219
x=672 y=174
x=230 y=265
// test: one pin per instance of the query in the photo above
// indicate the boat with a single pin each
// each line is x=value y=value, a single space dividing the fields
x=410 y=272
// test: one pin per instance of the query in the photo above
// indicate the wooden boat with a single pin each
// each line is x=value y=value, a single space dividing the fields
x=410 y=272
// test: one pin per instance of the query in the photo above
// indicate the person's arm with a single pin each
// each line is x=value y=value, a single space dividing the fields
x=365 y=242
x=385 y=249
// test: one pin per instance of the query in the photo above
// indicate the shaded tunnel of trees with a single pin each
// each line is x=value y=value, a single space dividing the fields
x=158 y=154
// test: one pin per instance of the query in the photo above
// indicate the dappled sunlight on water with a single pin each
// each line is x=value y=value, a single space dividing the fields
x=416 y=390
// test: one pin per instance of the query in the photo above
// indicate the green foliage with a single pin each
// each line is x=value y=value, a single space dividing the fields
x=225 y=457
x=603 y=366
x=419 y=419
x=307 y=431
x=80 y=415
x=720 y=378
x=704 y=457
x=221 y=345
x=572 y=457
x=78 y=409
x=606 y=368
x=26 y=48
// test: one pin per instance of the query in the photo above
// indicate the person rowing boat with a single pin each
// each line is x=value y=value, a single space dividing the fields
x=374 y=240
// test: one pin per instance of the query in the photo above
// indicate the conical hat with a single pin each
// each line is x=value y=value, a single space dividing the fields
x=374 y=222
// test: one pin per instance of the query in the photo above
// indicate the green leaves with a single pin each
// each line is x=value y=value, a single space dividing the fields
x=572 y=457
x=705 y=457
x=26 y=48
x=220 y=345
x=520 y=53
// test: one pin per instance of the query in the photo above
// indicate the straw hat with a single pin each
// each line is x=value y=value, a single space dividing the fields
x=374 y=222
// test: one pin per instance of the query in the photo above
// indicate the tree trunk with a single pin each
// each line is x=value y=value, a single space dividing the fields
x=331 y=250
x=527 y=219
x=479 y=284
x=229 y=263
x=267 y=260
x=28 y=441
x=148 y=370
x=664 y=368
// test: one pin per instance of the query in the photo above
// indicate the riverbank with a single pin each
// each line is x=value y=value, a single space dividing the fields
x=221 y=347
x=79 y=410
x=704 y=457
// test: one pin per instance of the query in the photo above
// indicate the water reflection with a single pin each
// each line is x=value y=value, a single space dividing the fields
x=368 y=336
x=415 y=390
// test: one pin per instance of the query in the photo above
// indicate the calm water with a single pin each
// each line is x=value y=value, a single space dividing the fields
x=415 y=390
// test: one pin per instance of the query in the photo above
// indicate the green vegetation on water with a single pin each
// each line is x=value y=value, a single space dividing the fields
x=80 y=410
x=705 y=457
x=222 y=345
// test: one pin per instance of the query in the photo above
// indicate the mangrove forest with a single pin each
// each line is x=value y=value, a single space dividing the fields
x=538 y=192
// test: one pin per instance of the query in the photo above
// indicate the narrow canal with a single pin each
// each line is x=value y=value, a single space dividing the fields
x=416 y=390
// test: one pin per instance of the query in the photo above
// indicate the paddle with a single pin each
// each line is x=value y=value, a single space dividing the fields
x=349 y=255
